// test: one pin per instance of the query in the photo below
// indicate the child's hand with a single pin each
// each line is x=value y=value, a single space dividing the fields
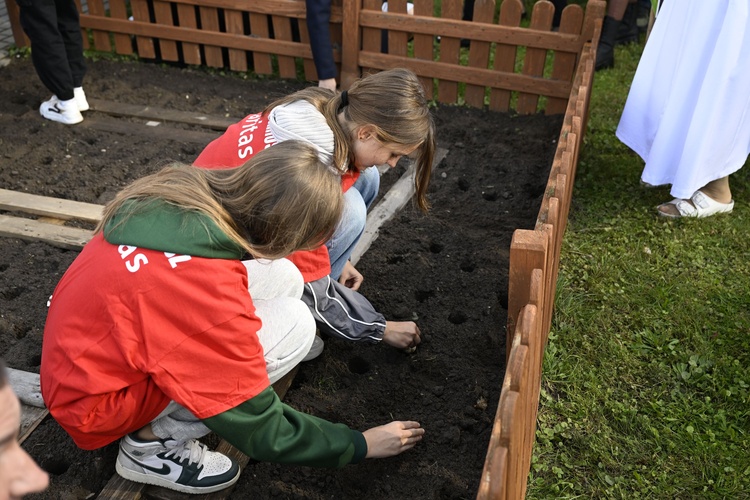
x=391 y=439
x=350 y=277
x=402 y=335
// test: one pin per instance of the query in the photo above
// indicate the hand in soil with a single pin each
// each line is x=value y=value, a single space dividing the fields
x=350 y=277
x=391 y=439
x=402 y=335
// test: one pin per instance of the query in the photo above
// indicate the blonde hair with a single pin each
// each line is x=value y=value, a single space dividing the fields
x=282 y=200
x=394 y=103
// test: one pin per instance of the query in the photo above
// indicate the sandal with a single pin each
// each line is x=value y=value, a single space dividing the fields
x=699 y=205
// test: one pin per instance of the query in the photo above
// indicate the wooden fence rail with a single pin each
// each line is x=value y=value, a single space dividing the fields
x=503 y=66
x=534 y=262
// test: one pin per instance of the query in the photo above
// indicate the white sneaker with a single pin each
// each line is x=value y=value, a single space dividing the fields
x=186 y=466
x=80 y=96
x=66 y=112
x=315 y=350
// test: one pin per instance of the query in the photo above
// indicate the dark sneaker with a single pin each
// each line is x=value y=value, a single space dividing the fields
x=186 y=466
x=66 y=112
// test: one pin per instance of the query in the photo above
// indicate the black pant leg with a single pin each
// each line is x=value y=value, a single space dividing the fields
x=39 y=22
x=69 y=24
x=318 y=21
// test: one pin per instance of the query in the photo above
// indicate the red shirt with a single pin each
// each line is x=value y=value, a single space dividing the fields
x=127 y=324
x=238 y=144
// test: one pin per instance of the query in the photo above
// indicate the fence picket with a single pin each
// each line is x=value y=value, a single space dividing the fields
x=479 y=52
x=533 y=64
x=234 y=22
x=145 y=43
x=449 y=54
x=424 y=43
x=565 y=62
x=209 y=17
x=505 y=54
x=101 y=38
x=163 y=15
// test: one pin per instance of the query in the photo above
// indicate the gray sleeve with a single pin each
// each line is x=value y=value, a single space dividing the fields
x=342 y=312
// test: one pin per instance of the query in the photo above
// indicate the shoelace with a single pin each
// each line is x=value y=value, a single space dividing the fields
x=193 y=451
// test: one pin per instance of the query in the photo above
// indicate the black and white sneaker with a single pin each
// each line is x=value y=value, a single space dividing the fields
x=66 y=112
x=186 y=466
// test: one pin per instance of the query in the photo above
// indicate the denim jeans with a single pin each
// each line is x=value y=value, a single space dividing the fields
x=357 y=201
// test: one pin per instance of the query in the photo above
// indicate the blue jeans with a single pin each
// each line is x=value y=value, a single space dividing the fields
x=352 y=224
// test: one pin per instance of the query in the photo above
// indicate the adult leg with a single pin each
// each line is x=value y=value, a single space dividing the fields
x=48 y=50
x=605 y=52
x=69 y=24
x=357 y=201
x=318 y=18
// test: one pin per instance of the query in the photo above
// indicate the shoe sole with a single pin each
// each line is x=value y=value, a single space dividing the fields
x=139 y=477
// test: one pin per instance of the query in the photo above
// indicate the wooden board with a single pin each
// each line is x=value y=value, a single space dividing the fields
x=33 y=411
x=393 y=201
x=49 y=207
x=71 y=238
x=161 y=114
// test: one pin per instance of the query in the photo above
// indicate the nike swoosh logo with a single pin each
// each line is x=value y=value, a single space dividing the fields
x=165 y=470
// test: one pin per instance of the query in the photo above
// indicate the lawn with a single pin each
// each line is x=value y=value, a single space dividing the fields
x=646 y=382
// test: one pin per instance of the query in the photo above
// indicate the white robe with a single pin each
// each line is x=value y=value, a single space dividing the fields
x=688 y=111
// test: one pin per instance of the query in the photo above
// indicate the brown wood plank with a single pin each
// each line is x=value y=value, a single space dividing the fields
x=70 y=238
x=467 y=74
x=351 y=41
x=479 y=31
x=58 y=208
x=219 y=123
x=210 y=22
x=423 y=44
x=101 y=38
x=479 y=52
x=31 y=417
x=505 y=54
x=187 y=18
x=158 y=132
x=371 y=38
x=212 y=38
x=145 y=44
x=282 y=30
x=449 y=54
x=163 y=16
x=119 y=10
x=533 y=64
x=308 y=65
x=564 y=64
x=235 y=24
x=397 y=40
x=259 y=30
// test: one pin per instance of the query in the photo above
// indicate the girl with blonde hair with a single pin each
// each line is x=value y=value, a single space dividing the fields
x=379 y=119
x=163 y=329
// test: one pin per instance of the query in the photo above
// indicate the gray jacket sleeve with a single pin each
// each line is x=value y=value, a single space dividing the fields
x=342 y=312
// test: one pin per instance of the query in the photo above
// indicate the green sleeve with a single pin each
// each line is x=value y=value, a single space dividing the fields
x=267 y=430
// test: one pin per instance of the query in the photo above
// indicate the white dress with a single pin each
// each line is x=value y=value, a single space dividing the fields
x=688 y=111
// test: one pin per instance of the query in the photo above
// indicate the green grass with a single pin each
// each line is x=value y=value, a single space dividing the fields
x=646 y=387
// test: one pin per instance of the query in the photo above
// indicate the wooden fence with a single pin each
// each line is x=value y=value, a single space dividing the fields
x=534 y=263
x=504 y=66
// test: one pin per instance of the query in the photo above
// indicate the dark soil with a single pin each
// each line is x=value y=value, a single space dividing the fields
x=448 y=270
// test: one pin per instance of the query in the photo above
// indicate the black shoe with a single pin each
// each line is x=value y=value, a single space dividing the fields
x=628 y=30
x=605 y=52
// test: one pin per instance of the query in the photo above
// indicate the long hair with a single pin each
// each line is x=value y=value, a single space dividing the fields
x=282 y=200
x=394 y=102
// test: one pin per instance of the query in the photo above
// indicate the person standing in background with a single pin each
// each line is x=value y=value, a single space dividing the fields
x=688 y=111
x=54 y=28
x=318 y=18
